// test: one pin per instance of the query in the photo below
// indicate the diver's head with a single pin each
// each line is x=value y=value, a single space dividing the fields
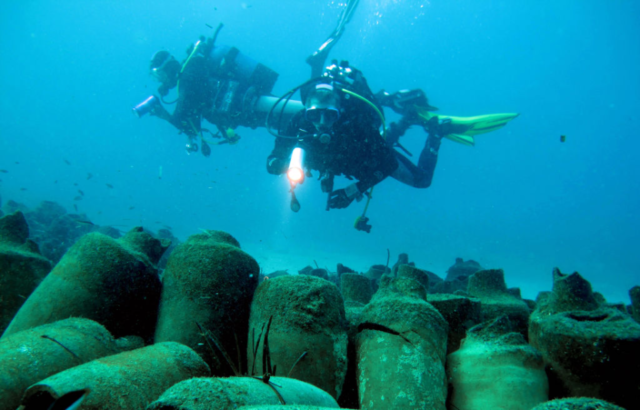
x=164 y=68
x=323 y=107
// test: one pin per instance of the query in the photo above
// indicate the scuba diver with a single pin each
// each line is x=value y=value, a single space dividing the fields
x=339 y=133
x=342 y=131
x=216 y=83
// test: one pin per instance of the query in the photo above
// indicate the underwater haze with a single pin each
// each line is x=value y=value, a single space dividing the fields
x=521 y=199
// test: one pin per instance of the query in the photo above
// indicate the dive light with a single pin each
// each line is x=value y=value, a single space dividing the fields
x=146 y=106
x=295 y=173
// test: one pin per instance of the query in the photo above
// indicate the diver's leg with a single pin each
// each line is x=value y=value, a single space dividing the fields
x=419 y=176
x=318 y=58
x=409 y=174
x=428 y=159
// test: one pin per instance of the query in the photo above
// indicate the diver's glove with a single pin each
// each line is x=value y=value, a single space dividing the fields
x=342 y=198
x=276 y=166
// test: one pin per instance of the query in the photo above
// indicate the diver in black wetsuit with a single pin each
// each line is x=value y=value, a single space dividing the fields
x=340 y=136
x=215 y=83
x=339 y=133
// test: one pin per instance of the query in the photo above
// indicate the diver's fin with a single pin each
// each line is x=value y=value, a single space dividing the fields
x=465 y=128
x=317 y=59
x=480 y=123
x=462 y=139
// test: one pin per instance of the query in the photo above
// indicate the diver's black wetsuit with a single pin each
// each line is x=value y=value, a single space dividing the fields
x=356 y=150
x=220 y=85
x=197 y=89
x=419 y=176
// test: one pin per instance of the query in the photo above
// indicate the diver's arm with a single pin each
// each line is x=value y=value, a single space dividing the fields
x=159 y=111
x=341 y=198
x=277 y=160
x=181 y=122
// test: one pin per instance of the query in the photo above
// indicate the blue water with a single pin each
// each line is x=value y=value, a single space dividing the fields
x=520 y=200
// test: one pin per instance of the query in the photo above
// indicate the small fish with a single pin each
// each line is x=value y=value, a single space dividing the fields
x=82 y=221
x=4 y=171
x=77 y=198
x=209 y=25
x=75 y=184
x=89 y=175
x=109 y=186
x=132 y=207
x=55 y=182
x=75 y=207
x=70 y=401
x=17 y=162
x=80 y=191
x=23 y=189
x=66 y=162
x=563 y=138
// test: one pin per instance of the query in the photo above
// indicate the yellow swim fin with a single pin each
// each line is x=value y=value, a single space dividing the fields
x=465 y=128
x=462 y=139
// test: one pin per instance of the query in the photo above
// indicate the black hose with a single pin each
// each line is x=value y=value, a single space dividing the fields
x=287 y=96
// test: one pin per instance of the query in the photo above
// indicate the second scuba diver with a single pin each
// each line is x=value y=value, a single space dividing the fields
x=216 y=83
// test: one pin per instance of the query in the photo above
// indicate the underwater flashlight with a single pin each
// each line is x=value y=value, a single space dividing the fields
x=295 y=173
x=146 y=106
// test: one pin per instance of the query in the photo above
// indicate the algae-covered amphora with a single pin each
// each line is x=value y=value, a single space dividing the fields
x=207 y=289
x=113 y=282
x=22 y=267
